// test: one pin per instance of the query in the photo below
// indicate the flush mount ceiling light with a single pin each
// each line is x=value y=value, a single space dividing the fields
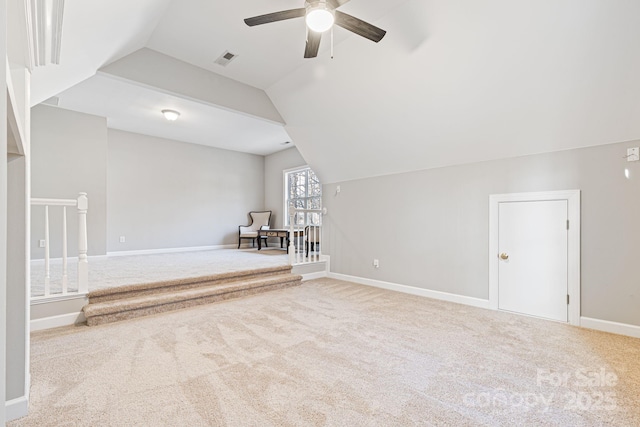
x=319 y=17
x=171 y=115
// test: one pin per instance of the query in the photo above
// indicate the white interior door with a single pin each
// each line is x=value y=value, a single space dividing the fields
x=533 y=264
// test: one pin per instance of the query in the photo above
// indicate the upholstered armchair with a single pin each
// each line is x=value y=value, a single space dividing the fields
x=259 y=221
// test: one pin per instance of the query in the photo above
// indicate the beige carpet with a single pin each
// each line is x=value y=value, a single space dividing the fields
x=107 y=272
x=336 y=354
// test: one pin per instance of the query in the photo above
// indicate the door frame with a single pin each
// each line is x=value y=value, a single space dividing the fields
x=573 y=243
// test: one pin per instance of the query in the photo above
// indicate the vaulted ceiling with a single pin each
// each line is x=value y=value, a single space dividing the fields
x=452 y=82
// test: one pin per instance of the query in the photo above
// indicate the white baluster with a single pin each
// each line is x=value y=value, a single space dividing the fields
x=65 y=278
x=300 y=252
x=315 y=243
x=292 y=237
x=47 y=266
x=319 y=242
x=315 y=240
x=83 y=263
x=311 y=244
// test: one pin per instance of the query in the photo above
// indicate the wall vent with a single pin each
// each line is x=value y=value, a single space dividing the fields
x=225 y=58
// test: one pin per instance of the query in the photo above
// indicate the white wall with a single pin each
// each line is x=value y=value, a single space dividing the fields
x=430 y=228
x=274 y=165
x=3 y=210
x=17 y=280
x=14 y=215
x=157 y=193
x=69 y=152
x=169 y=194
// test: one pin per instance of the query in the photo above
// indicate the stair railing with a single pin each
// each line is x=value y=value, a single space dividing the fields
x=82 y=205
x=305 y=235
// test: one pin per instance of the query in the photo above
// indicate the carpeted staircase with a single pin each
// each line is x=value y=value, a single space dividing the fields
x=127 y=302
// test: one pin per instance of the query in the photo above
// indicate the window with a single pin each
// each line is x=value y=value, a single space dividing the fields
x=303 y=189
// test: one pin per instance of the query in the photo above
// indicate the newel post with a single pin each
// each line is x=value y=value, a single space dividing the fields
x=83 y=262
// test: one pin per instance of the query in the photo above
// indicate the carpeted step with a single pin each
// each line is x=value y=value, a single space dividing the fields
x=130 y=291
x=142 y=305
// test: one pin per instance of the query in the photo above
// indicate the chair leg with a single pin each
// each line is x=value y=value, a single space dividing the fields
x=313 y=247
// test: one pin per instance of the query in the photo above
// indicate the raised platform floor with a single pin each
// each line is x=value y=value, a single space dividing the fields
x=117 y=271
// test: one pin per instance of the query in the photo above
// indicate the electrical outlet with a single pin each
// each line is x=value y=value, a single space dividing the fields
x=41 y=243
x=122 y=239
x=376 y=263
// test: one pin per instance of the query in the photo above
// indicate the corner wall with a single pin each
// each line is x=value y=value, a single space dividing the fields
x=169 y=194
x=430 y=228
x=69 y=152
x=158 y=193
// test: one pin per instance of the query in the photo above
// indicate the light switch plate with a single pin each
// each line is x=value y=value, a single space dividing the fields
x=633 y=154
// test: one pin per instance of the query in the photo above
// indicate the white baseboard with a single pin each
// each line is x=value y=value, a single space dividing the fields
x=16 y=408
x=58 y=298
x=316 y=275
x=613 y=327
x=444 y=296
x=56 y=321
x=170 y=250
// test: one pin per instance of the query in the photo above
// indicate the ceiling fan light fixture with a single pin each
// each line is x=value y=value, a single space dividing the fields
x=319 y=17
x=171 y=115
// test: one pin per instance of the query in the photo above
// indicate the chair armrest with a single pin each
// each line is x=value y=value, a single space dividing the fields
x=244 y=228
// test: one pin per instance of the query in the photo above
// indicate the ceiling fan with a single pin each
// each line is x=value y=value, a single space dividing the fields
x=320 y=15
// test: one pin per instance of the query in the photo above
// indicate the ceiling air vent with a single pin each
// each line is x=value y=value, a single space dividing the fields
x=225 y=58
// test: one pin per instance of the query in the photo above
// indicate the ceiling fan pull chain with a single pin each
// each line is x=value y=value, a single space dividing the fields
x=331 y=42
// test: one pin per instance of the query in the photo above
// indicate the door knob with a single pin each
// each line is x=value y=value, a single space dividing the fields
x=504 y=256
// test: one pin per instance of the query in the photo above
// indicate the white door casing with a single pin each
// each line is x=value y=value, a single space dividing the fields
x=532 y=268
x=516 y=204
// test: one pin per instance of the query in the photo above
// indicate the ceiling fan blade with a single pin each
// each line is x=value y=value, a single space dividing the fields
x=276 y=16
x=313 y=44
x=359 y=27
